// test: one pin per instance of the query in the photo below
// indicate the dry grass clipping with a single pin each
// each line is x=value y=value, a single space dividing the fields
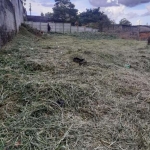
x=106 y=104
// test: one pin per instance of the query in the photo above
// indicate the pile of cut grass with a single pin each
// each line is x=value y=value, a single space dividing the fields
x=105 y=104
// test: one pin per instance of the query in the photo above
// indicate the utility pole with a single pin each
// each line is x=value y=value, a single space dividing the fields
x=30 y=9
x=139 y=22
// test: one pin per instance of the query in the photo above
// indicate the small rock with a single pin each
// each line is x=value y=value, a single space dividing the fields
x=61 y=103
x=143 y=56
x=79 y=60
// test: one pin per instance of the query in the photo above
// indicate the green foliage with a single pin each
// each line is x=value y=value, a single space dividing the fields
x=94 y=16
x=64 y=11
x=112 y=22
x=91 y=15
x=42 y=14
x=49 y=15
x=124 y=21
x=24 y=2
x=103 y=21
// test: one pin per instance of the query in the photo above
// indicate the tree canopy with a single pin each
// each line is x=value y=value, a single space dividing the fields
x=64 y=11
x=90 y=15
x=24 y=2
x=124 y=21
x=94 y=16
x=49 y=15
x=42 y=14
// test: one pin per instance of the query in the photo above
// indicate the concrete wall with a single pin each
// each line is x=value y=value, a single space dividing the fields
x=11 y=17
x=19 y=12
x=59 y=27
x=124 y=32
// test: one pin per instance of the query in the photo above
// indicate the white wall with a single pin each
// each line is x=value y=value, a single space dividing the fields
x=11 y=17
x=59 y=27
x=9 y=21
x=11 y=14
x=7 y=16
x=18 y=5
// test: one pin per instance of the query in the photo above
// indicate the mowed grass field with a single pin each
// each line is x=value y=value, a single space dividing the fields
x=50 y=102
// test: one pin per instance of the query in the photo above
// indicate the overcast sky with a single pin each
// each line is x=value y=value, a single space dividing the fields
x=136 y=11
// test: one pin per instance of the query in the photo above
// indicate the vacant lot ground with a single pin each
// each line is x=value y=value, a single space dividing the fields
x=50 y=102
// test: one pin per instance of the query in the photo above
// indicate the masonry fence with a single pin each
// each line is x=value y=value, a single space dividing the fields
x=122 y=31
x=59 y=27
x=11 y=17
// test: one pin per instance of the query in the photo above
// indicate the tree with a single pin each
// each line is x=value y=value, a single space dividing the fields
x=104 y=21
x=42 y=14
x=89 y=16
x=112 y=22
x=49 y=15
x=124 y=21
x=24 y=2
x=94 y=16
x=64 y=11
